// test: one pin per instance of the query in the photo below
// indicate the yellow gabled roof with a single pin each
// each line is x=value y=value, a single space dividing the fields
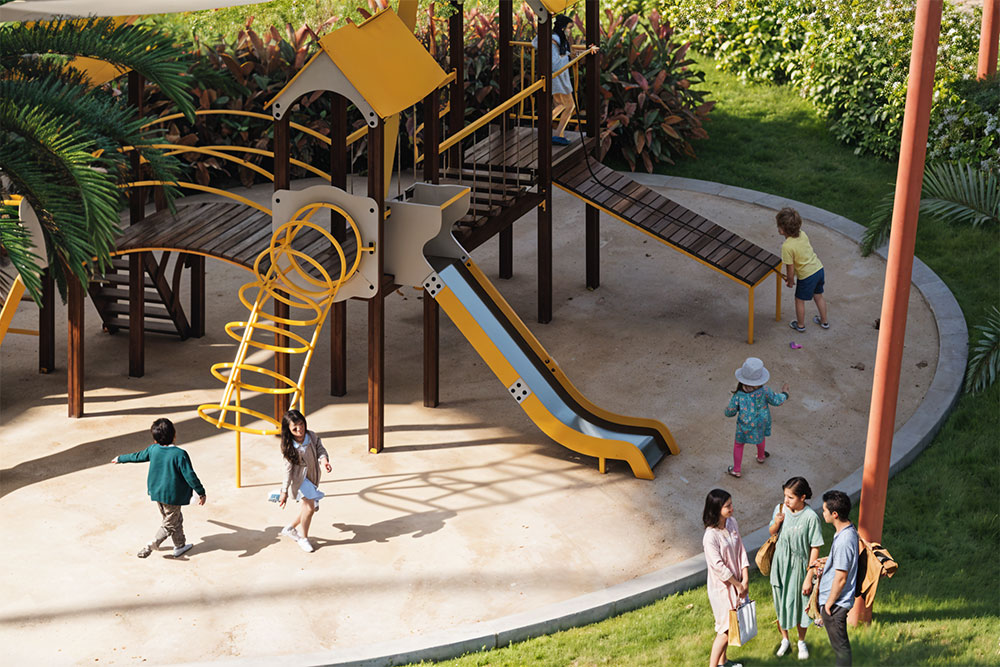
x=384 y=61
x=556 y=6
x=98 y=71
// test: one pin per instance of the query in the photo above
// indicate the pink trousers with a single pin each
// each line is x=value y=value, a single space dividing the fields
x=738 y=453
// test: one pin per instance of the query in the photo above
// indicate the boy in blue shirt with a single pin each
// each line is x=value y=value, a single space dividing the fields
x=170 y=481
x=839 y=574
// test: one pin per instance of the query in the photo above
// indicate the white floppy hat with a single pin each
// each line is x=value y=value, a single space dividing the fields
x=752 y=372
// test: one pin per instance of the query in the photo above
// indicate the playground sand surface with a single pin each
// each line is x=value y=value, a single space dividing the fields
x=470 y=513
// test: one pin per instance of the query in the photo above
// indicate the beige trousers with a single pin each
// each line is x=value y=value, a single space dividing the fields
x=172 y=526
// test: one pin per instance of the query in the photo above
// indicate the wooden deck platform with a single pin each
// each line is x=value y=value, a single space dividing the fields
x=227 y=231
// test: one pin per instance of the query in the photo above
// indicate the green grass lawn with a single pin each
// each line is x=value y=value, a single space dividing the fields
x=943 y=512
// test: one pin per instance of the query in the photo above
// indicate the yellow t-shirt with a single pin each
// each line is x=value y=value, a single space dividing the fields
x=798 y=252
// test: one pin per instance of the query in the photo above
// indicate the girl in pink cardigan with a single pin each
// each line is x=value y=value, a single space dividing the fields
x=302 y=451
x=728 y=567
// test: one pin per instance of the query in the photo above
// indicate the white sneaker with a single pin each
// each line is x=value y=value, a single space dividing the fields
x=180 y=551
x=783 y=649
x=803 y=650
x=306 y=545
x=288 y=531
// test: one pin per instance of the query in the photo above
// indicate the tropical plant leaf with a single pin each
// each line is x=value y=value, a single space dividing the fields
x=952 y=192
x=984 y=364
x=961 y=194
x=879 y=226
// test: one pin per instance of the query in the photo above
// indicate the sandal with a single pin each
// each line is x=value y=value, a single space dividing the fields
x=767 y=455
x=145 y=551
x=825 y=325
x=734 y=474
x=798 y=327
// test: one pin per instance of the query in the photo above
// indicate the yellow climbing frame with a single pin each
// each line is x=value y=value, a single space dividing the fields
x=286 y=279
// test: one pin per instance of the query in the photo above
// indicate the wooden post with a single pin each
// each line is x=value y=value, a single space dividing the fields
x=544 y=68
x=456 y=58
x=899 y=267
x=376 y=305
x=338 y=178
x=989 y=35
x=432 y=168
x=592 y=106
x=197 y=265
x=74 y=358
x=136 y=263
x=136 y=315
x=47 y=326
x=506 y=240
x=282 y=181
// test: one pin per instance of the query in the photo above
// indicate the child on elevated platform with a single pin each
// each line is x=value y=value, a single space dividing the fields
x=749 y=405
x=801 y=263
x=562 y=85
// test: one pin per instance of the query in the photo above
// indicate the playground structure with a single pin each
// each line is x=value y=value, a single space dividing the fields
x=501 y=170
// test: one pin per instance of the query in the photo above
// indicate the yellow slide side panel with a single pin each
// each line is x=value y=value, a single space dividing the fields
x=558 y=373
x=539 y=415
x=10 y=306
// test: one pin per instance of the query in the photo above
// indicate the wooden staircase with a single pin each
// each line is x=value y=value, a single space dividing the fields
x=164 y=313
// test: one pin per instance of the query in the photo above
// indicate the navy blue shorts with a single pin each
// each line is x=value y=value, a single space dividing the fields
x=806 y=287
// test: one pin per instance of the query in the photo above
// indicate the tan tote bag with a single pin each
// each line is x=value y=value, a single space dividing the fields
x=766 y=552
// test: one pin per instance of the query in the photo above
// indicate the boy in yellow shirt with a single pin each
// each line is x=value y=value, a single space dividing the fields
x=802 y=263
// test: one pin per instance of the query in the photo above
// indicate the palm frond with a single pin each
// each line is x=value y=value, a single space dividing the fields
x=111 y=124
x=16 y=245
x=142 y=48
x=952 y=192
x=984 y=364
x=879 y=226
x=961 y=194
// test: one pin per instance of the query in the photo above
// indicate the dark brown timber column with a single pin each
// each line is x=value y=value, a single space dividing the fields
x=74 y=357
x=197 y=264
x=544 y=68
x=432 y=165
x=506 y=92
x=136 y=270
x=338 y=178
x=282 y=181
x=592 y=107
x=47 y=326
x=456 y=58
x=376 y=305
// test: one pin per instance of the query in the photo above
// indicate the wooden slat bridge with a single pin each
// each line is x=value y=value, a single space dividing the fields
x=231 y=232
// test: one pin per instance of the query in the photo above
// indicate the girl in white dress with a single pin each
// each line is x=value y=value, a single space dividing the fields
x=302 y=451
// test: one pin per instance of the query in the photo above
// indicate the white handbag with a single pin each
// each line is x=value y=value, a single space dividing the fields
x=743 y=623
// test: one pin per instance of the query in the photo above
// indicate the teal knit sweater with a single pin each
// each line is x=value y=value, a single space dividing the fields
x=171 y=476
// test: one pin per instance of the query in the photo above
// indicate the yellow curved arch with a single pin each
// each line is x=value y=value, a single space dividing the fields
x=203 y=188
x=236 y=112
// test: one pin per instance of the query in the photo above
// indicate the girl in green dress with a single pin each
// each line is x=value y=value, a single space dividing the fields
x=799 y=540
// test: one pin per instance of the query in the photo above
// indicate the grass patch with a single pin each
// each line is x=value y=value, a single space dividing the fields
x=943 y=512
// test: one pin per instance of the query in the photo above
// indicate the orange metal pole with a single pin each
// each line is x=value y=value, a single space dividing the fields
x=989 y=36
x=899 y=267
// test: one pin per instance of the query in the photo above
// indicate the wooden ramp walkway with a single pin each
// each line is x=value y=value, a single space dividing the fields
x=502 y=170
x=670 y=223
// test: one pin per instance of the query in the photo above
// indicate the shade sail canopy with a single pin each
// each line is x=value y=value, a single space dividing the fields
x=42 y=10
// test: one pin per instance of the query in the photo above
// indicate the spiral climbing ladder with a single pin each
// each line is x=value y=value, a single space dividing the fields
x=306 y=269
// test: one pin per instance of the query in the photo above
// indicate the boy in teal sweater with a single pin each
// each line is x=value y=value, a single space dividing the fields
x=170 y=482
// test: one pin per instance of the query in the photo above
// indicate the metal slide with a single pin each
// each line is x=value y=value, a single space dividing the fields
x=534 y=379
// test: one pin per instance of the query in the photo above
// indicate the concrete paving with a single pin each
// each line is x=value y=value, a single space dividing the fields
x=470 y=514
